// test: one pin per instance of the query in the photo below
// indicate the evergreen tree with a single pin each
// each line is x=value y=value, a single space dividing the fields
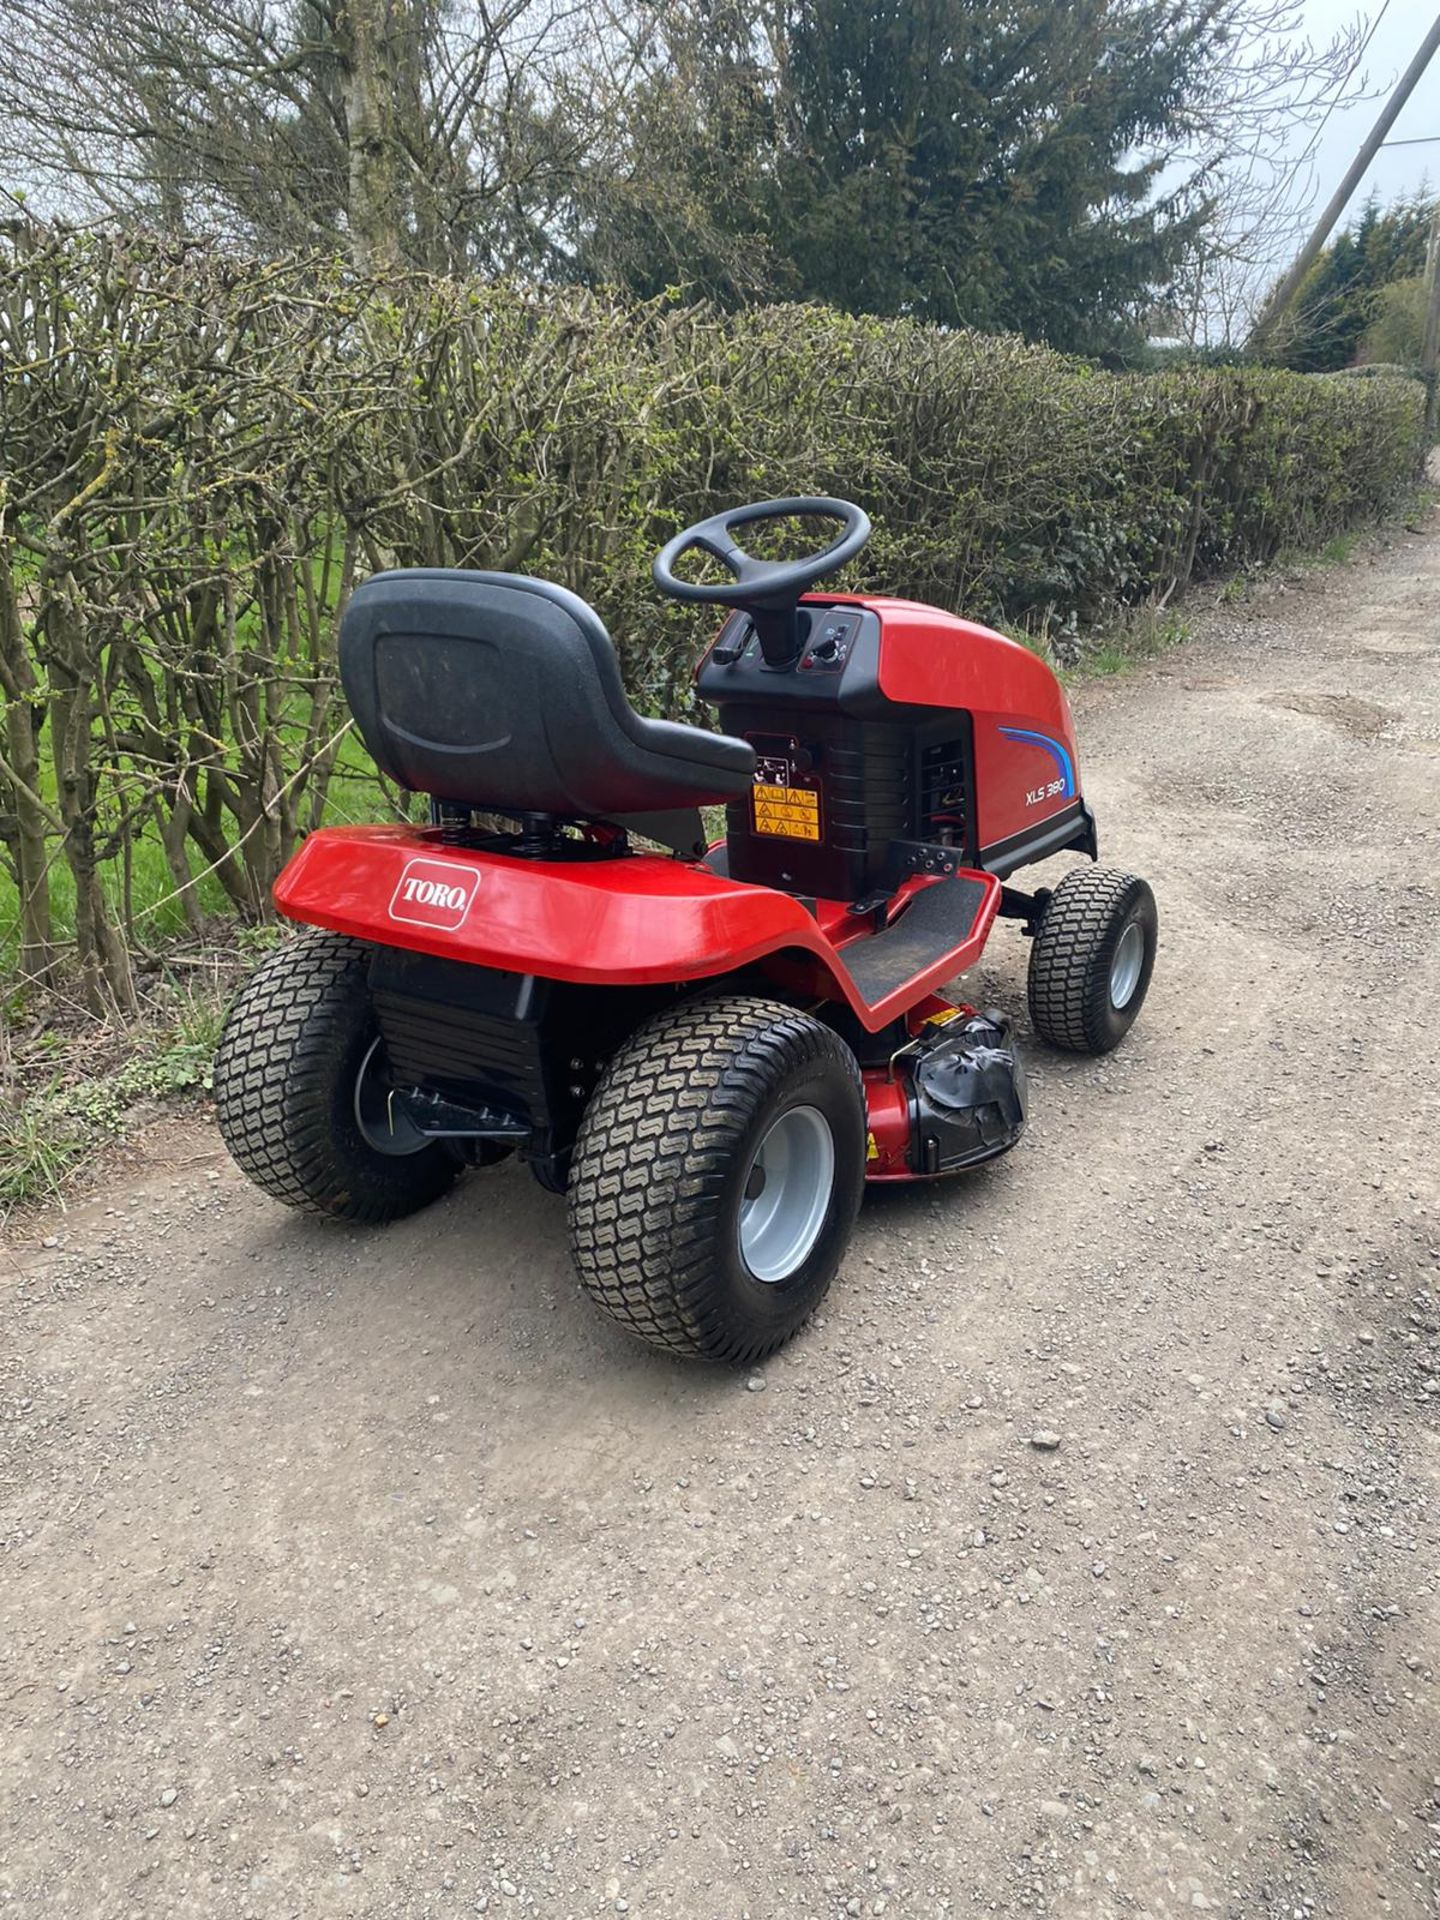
x=981 y=164
x=994 y=163
x=1341 y=295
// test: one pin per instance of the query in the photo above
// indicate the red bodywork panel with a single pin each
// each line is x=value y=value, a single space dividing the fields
x=1026 y=767
x=637 y=920
x=887 y=1120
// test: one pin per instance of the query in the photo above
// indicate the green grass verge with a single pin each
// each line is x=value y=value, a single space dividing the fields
x=353 y=798
x=74 y=1087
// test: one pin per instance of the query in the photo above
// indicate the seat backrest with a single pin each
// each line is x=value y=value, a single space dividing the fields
x=504 y=693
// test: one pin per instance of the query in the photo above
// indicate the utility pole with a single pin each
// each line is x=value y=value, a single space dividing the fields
x=1275 y=306
x=1430 y=346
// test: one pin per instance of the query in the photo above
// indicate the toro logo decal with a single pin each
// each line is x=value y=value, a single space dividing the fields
x=433 y=893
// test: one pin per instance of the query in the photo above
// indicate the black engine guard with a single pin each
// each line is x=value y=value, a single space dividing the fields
x=967 y=1093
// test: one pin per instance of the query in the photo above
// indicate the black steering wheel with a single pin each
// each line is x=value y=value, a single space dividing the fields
x=761 y=581
x=766 y=589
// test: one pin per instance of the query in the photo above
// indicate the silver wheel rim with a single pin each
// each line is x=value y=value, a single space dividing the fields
x=786 y=1194
x=383 y=1125
x=1125 y=967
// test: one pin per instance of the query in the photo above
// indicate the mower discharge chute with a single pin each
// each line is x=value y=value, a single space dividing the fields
x=708 y=1049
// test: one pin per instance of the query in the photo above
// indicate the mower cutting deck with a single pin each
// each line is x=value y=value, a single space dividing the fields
x=710 y=1050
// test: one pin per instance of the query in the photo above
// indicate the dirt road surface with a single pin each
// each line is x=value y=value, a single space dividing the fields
x=374 y=1574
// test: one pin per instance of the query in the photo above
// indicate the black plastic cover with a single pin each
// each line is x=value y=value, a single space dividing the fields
x=968 y=1086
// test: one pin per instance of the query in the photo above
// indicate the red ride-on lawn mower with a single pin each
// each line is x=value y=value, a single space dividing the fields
x=708 y=1051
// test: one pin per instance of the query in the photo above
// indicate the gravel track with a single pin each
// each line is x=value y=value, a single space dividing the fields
x=357 y=1573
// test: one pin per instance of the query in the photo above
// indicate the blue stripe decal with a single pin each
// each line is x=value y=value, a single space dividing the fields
x=1052 y=747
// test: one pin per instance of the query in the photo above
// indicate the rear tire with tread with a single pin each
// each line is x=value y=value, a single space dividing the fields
x=1074 y=952
x=285 y=1075
x=664 y=1151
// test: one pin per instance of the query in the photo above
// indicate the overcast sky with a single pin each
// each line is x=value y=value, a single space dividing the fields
x=1395 y=170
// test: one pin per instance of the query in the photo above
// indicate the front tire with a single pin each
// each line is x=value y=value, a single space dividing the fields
x=292 y=1077
x=1092 y=958
x=717 y=1176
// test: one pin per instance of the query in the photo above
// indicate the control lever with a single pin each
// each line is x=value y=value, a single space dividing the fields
x=725 y=653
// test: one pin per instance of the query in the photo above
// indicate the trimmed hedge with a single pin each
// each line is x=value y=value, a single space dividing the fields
x=199 y=455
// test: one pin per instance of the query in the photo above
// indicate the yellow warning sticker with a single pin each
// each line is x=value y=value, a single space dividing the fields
x=787 y=813
x=941 y=1019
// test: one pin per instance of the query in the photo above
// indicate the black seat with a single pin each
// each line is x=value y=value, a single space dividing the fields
x=503 y=694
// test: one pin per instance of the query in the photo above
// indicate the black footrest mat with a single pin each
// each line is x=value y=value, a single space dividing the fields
x=939 y=920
